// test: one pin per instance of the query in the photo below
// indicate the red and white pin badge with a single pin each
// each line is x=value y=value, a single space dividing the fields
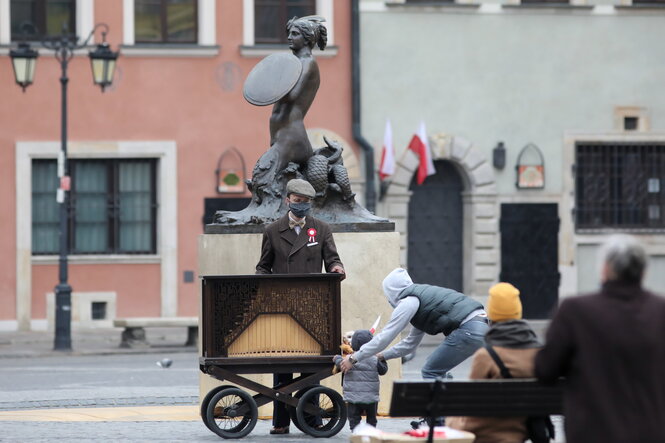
x=312 y=234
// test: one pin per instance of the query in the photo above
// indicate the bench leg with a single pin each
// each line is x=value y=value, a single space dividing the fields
x=133 y=338
x=192 y=336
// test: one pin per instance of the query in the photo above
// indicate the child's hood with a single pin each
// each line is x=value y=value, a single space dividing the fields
x=360 y=337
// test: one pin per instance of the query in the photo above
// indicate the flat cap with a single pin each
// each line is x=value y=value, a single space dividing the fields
x=300 y=187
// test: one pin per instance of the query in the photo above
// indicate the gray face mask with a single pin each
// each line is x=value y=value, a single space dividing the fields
x=300 y=209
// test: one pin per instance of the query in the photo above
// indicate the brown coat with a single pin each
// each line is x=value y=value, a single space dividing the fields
x=285 y=252
x=610 y=346
x=500 y=429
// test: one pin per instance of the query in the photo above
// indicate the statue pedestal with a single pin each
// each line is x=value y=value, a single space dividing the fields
x=367 y=256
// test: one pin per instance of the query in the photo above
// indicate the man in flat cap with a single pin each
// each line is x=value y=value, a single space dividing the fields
x=296 y=244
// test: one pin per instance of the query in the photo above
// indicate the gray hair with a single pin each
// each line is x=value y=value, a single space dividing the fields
x=625 y=258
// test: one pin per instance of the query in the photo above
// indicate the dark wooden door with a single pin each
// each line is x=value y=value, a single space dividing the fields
x=530 y=255
x=435 y=228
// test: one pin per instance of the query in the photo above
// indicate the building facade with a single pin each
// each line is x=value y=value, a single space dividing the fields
x=152 y=157
x=546 y=121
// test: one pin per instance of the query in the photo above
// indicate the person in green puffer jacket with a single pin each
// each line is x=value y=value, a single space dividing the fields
x=430 y=310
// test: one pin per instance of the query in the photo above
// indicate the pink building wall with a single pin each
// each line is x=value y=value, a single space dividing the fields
x=153 y=98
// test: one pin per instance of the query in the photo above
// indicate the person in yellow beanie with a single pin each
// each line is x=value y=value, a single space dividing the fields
x=516 y=344
x=504 y=303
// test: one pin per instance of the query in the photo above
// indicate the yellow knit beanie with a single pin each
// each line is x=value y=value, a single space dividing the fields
x=504 y=303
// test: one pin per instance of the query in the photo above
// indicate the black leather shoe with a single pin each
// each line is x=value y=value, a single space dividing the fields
x=438 y=421
x=276 y=430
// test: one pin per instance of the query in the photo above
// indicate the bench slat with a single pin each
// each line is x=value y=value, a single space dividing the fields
x=155 y=322
x=480 y=398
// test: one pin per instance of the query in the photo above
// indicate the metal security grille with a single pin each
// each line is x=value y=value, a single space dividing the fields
x=619 y=185
x=530 y=255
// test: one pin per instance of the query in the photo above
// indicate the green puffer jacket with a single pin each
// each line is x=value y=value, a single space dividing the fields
x=441 y=309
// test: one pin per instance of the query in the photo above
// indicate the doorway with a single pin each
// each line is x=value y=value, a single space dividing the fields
x=530 y=255
x=435 y=229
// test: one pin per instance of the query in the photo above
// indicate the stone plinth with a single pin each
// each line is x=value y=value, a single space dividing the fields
x=367 y=256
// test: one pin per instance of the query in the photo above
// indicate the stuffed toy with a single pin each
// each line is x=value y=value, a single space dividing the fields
x=346 y=348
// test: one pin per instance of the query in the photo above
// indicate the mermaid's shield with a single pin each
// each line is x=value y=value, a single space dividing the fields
x=272 y=78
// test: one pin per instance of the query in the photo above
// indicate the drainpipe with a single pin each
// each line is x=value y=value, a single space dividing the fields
x=368 y=150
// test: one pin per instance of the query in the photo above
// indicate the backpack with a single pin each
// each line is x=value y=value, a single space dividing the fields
x=539 y=428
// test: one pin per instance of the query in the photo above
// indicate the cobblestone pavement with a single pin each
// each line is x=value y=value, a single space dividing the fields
x=171 y=431
x=104 y=391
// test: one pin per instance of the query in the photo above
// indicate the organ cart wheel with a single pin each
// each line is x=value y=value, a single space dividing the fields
x=331 y=412
x=206 y=401
x=292 y=410
x=231 y=413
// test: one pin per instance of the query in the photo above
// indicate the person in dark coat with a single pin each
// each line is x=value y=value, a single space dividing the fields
x=296 y=244
x=361 y=384
x=610 y=347
x=516 y=345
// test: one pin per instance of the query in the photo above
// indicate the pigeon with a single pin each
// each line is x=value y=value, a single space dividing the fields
x=164 y=363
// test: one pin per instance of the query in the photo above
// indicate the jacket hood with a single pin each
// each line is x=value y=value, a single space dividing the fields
x=360 y=337
x=516 y=334
x=397 y=281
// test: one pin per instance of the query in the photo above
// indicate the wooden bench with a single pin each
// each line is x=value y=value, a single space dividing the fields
x=477 y=398
x=133 y=336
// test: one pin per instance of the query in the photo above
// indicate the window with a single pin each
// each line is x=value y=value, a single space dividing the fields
x=649 y=2
x=620 y=185
x=166 y=21
x=545 y=2
x=631 y=123
x=429 y=2
x=270 y=17
x=98 y=310
x=48 y=17
x=112 y=207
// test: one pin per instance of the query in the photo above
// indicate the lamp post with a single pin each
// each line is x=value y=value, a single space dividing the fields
x=102 y=61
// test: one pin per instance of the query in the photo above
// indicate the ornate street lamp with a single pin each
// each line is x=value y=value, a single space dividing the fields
x=103 y=61
x=24 y=59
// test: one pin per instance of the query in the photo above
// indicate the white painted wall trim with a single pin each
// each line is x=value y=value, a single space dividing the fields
x=95 y=259
x=127 y=22
x=190 y=51
x=167 y=220
x=81 y=313
x=5 y=23
x=24 y=234
x=248 y=22
x=85 y=18
x=376 y=6
x=324 y=8
x=207 y=22
x=8 y=325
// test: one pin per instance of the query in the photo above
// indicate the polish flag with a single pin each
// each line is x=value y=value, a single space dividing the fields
x=387 y=167
x=420 y=147
x=372 y=330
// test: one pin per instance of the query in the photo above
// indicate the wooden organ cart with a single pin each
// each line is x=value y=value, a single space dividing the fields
x=254 y=324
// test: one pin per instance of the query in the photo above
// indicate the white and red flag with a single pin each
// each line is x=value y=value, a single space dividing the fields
x=387 y=167
x=372 y=330
x=420 y=146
